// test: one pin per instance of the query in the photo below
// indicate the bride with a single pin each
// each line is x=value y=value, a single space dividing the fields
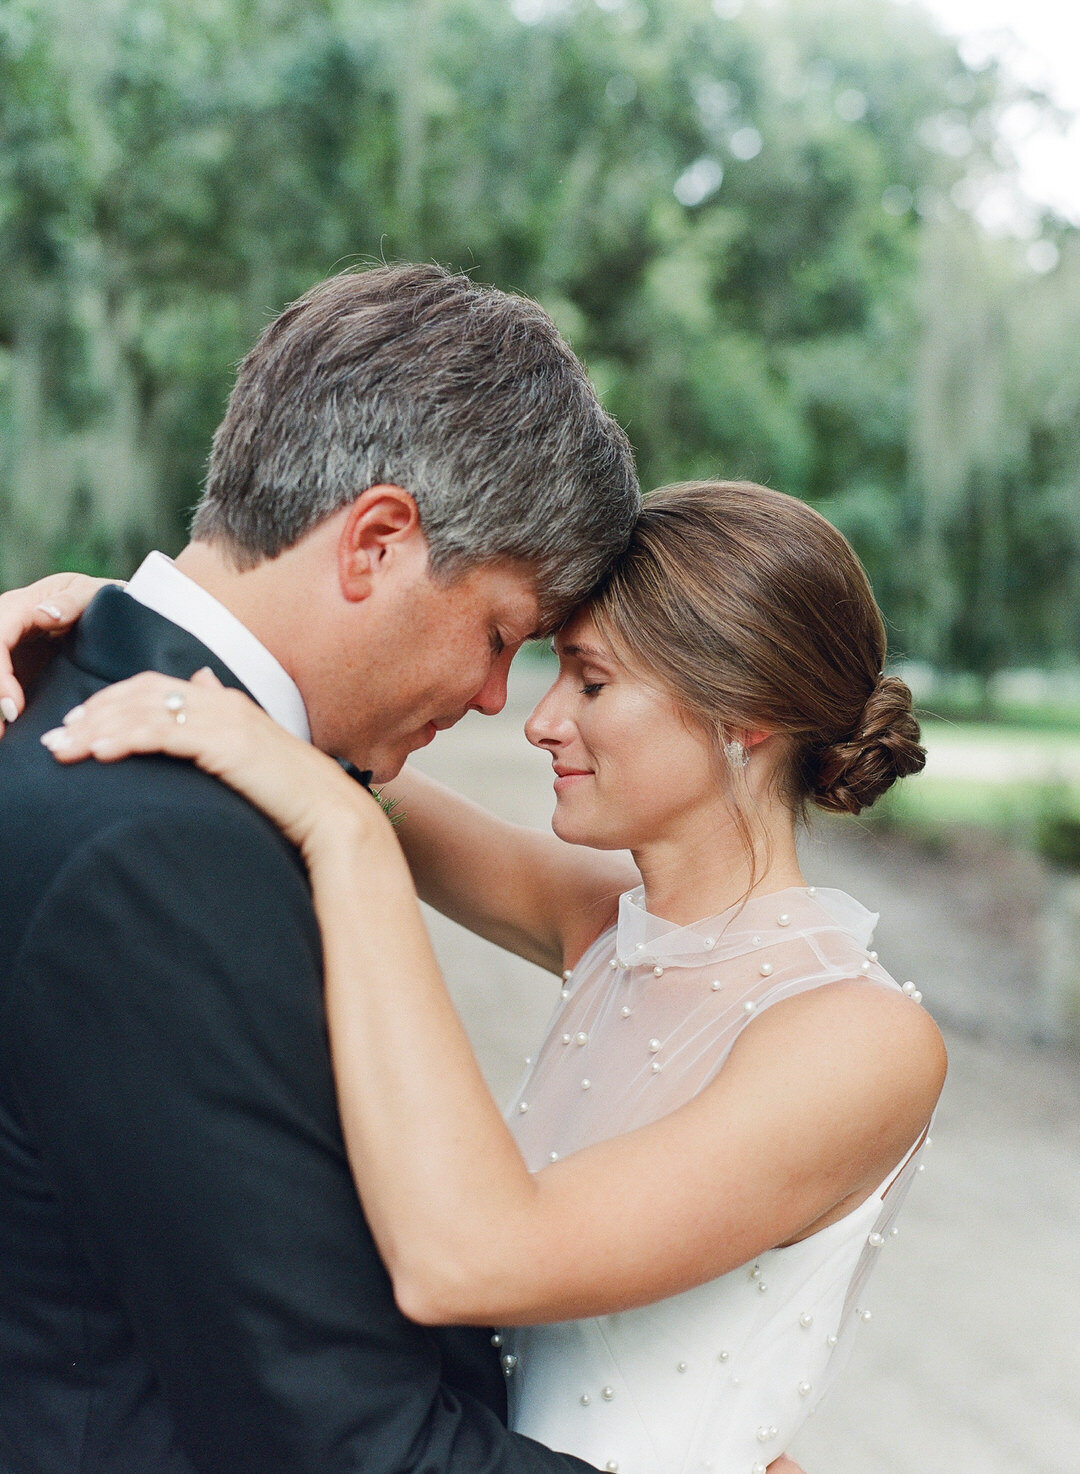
x=674 y=1225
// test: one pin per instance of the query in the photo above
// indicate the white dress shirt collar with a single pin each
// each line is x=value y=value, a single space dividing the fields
x=160 y=585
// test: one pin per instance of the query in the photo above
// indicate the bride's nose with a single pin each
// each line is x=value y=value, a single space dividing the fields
x=548 y=726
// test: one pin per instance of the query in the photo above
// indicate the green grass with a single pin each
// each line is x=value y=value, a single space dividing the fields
x=1010 y=808
x=1039 y=739
x=1039 y=814
x=1058 y=716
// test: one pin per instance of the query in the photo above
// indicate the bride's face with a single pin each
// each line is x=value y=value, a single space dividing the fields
x=630 y=769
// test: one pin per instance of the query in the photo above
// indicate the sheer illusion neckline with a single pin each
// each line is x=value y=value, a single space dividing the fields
x=761 y=921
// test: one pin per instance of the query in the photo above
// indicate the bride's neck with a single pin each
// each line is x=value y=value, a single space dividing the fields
x=689 y=877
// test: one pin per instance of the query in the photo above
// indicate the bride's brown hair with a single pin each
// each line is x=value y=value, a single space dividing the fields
x=755 y=614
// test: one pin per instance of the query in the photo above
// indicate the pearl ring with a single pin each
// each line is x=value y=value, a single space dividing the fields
x=174 y=703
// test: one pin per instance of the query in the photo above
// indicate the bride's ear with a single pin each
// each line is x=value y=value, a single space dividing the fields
x=206 y=677
x=381 y=522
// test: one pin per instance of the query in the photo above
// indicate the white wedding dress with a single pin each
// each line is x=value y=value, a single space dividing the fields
x=718 y=1378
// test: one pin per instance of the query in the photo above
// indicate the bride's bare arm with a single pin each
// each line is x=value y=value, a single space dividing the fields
x=525 y=890
x=820 y=1097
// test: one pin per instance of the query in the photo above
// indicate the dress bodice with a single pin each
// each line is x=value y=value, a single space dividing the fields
x=719 y=1377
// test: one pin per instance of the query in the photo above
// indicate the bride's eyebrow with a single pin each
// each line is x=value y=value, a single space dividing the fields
x=583 y=652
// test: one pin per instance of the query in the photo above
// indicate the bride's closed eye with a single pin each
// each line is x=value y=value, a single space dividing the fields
x=592 y=688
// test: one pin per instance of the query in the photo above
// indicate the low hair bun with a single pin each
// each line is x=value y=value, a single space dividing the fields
x=853 y=773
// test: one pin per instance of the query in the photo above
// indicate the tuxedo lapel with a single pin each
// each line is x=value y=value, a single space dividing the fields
x=117 y=637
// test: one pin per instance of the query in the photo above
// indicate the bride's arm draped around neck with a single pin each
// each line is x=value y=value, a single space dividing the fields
x=821 y=1095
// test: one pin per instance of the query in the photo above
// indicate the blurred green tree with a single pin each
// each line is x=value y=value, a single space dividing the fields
x=757 y=225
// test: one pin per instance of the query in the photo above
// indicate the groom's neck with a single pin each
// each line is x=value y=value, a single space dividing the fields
x=257 y=596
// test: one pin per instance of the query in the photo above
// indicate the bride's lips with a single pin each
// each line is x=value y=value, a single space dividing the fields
x=567 y=777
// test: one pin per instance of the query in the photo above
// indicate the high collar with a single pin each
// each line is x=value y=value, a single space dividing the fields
x=159 y=585
x=761 y=921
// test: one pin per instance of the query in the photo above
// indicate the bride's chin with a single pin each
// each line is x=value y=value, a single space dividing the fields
x=579 y=831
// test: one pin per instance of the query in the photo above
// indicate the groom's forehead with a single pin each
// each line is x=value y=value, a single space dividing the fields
x=505 y=592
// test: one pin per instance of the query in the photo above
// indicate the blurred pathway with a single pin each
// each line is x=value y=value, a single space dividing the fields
x=971 y=1364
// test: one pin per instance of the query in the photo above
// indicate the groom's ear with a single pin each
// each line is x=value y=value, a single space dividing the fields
x=382 y=526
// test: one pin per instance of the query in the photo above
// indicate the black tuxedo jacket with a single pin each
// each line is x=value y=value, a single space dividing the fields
x=187 y=1281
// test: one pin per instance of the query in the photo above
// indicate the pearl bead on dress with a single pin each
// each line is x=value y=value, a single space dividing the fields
x=766 y=969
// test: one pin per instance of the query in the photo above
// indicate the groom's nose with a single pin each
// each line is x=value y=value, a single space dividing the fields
x=491 y=697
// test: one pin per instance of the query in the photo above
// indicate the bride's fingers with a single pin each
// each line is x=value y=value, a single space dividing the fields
x=49 y=607
x=153 y=713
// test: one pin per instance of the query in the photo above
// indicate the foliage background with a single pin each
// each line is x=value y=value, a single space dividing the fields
x=762 y=226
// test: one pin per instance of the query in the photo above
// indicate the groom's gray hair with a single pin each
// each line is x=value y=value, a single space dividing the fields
x=463 y=395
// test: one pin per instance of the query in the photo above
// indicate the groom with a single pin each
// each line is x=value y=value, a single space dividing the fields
x=412 y=477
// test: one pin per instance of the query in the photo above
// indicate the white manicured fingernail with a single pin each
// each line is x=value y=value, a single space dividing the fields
x=76 y=714
x=8 y=710
x=51 y=610
x=56 y=739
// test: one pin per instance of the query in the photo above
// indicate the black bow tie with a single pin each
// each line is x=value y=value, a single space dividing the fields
x=363 y=777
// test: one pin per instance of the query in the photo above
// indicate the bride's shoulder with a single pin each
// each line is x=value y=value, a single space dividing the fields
x=876 y=1045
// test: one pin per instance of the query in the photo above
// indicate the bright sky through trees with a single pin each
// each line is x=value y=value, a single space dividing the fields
x=1040 y=42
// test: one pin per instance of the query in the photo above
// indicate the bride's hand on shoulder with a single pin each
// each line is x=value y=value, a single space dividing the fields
x=308 y=795
x=29 y=619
